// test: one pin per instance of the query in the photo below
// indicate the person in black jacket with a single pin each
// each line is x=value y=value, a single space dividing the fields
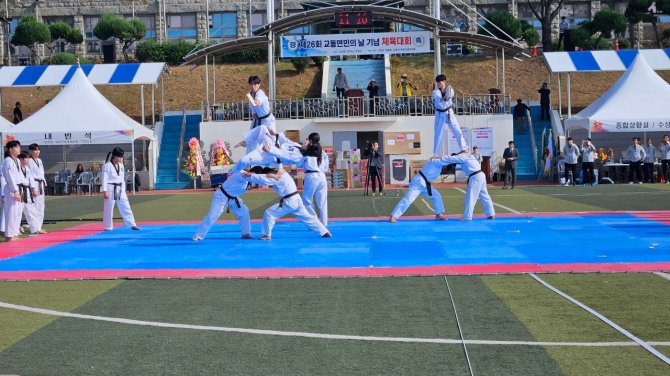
x=544 y=101
x=373 y=89
x=510 y=156
x=375 y=158
x=521 y=111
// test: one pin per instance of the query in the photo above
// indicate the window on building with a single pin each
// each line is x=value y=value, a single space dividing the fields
x=150 y=23
x=89 y=25
x=258 y=19
x=181 y=26
x=223 y=25
x=576 y=13
x=526 y=13
x=300 y=30
x=90 y=40
x=407 y=27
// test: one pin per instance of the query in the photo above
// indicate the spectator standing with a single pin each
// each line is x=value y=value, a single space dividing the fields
x=521 y=111
x=477 y=155
x=340 y=85
x=571 y=155
x=373 y=89
x=375 y=157
x=18 y=115
x=588 y=160
x=665 y=158
x=404 y=88
x=636 y=155
x=510 y=156
x=649 y=159
x=562 y=27
x=544 y=101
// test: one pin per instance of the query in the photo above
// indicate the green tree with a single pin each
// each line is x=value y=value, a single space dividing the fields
x=529 y=33
x=61 y=30
x=545 y=11
x=605 y=22
x=29 y=32
x=126 y=31
x=505 y=22
x=638 y=11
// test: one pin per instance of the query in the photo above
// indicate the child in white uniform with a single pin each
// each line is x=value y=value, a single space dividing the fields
x=113 y=190
x=17 y=189
x=420 y=184
x=290 y=203
x=227 y=197
x=476 y=185
x=35 y=210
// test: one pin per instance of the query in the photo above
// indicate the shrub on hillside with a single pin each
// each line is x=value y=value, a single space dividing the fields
x=300 y=63
x=318 y=60
x=175 y=51
x=149 y=51
x=64 y=58
x=624 y=44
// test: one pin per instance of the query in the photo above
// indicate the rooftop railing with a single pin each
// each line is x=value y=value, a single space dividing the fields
x=356 y=107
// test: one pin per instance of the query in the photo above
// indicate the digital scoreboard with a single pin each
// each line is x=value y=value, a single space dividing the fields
x=353 y=19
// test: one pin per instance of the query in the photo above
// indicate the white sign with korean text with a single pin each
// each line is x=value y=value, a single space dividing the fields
x=355 y=44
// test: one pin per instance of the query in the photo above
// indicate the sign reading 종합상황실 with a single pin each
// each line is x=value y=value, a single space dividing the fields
x=355 y=44
x=631 y=125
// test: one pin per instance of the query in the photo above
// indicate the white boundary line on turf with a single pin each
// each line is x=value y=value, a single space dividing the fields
x=621 y=330
x=663 y=275
x=494 y=204
x=316 y=335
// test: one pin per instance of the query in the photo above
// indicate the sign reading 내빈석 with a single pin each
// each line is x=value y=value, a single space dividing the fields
x=355 y=44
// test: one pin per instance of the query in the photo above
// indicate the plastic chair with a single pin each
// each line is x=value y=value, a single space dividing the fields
x=62 y=181
x=96 y=182
x=85 y=180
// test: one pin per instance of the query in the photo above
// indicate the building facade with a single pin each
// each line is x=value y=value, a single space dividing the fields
x=198 y=20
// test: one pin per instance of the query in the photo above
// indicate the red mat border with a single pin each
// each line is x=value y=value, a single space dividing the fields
x=28 y=245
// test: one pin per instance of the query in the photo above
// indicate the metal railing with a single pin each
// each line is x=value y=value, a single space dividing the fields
x=180 y=146
x=314 y=108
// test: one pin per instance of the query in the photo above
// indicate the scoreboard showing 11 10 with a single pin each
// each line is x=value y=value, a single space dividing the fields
x=353 y=19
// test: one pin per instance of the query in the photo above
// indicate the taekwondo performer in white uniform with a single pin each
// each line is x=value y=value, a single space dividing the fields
x=259 y=106
x=34 y=211
x=16 y=192
x=259 y=157
x=290 y=203
x=420 y=184
x=113 y=188
x=444 y=113
x=228 y=196
x=315 y=163
x=476 y=188
x=3 y=182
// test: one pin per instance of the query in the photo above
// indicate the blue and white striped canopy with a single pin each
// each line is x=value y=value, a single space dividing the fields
x=98 y=74
x=601 y=61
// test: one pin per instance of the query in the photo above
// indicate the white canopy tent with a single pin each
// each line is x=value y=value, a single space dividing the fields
x=5 y=125
x=80 y=115
x=636 y=103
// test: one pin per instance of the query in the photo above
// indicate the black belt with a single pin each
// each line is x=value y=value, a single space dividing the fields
x=473 y=174
x=445 y=110
x=24 y=191
x=40 y=182
x=117 y=195
x=257 y=121
x=311 y=172
x=237 y=201
x=428 y=186
x=281 y=202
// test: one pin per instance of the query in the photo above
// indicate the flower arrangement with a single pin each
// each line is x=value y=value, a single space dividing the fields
x=605 y=155
x=219 y=154
x=193 y=164
x=601 y=155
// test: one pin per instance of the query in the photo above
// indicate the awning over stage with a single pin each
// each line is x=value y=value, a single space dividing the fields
x=601 y=61
x=98 y=74
x=637 y=102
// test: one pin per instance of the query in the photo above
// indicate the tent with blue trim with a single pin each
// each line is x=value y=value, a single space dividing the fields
x=80 y=115
x=636 y=102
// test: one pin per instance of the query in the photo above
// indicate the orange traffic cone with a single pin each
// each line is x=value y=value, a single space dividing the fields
x=616 y=45
x=533 y=51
